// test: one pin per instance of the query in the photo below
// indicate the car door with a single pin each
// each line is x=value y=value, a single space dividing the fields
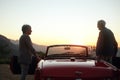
x=15 y=66
x=116 y=62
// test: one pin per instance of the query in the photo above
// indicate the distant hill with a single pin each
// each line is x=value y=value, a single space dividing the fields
x=11 y=46
x=36 y=46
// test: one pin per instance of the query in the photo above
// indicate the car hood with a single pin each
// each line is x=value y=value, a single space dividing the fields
x=79 y=67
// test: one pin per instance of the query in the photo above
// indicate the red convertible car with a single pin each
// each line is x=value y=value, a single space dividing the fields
x=72 y=62
x=69 y=62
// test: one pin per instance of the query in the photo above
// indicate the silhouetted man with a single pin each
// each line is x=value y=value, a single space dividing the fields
x=26 y=51
x=106 y=47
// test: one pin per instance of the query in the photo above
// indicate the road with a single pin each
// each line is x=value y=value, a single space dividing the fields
x=5 y=74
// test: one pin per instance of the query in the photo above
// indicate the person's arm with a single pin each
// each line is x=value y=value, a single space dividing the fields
x=115 y=47
x=29 y=45
x=99 y=43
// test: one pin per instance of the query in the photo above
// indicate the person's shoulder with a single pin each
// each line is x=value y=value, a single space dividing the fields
x=109 y=30
x=24 y=36
x=106 y=30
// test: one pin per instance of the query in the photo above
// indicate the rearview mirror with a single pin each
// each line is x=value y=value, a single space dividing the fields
x=67 y=48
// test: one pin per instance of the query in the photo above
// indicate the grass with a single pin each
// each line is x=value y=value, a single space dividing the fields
x=4 y=60
x=5 y=74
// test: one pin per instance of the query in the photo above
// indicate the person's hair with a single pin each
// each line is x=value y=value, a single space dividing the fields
x=25 y=27
x=102 y=22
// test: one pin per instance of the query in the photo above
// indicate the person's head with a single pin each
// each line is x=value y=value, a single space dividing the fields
x=26 y=29
x=101 y=24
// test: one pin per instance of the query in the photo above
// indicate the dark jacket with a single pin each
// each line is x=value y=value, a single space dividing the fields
x=26 y=49
x=106 y=44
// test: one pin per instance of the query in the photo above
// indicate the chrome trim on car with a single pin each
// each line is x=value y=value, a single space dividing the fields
x=78 y=79
x=78 y=73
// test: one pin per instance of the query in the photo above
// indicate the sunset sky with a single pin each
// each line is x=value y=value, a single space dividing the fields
x=59 y=21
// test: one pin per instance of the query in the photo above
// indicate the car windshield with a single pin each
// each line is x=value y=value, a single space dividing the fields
x=67 y=51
